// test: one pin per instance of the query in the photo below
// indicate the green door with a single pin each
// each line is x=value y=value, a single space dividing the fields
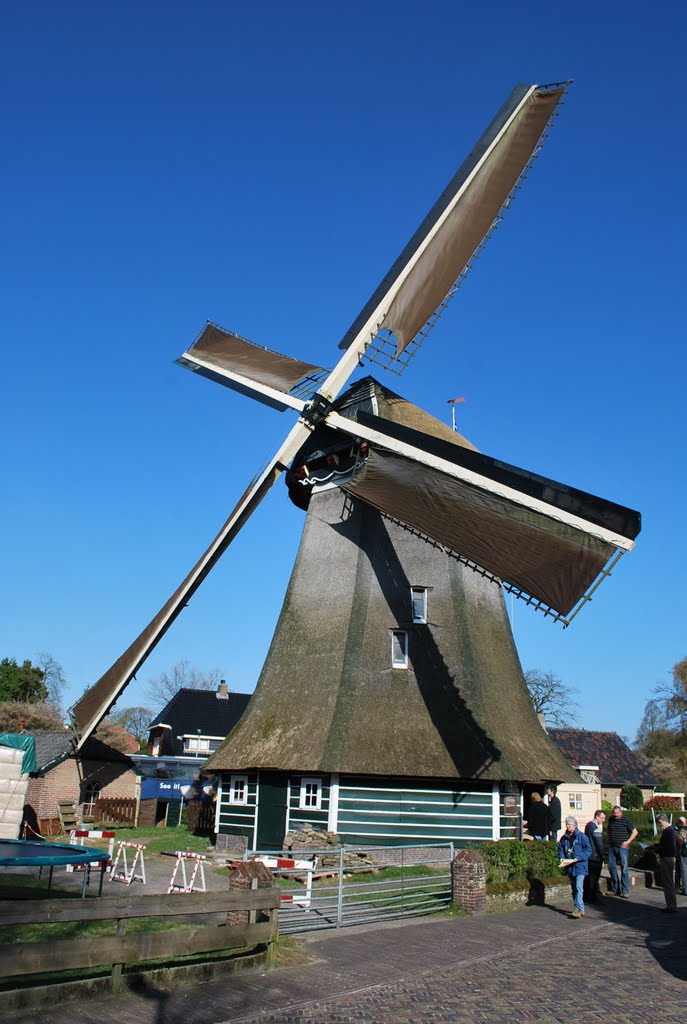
x=271 y=810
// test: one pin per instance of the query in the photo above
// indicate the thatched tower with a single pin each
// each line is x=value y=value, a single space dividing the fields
x=391 y=706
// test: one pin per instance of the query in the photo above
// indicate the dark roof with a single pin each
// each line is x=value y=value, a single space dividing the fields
x=191 y=710
x=617 y=764
x=53 y=747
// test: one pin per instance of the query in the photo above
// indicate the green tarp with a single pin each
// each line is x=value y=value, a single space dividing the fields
x=21 y=742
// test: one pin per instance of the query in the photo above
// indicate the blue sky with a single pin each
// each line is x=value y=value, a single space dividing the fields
x=262 y=166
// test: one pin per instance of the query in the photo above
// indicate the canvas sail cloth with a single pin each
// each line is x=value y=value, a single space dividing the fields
x=446 y=240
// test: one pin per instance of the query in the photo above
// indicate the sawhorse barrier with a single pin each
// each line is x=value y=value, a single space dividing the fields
x=182 y=857
x=120 y=870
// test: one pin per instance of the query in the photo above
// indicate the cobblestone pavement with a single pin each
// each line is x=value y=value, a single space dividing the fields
x=625 y=962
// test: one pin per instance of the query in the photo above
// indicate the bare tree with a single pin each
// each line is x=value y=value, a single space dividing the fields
x=552 y=698
x=135 y=720
x=39 y=716
x=674 y=695
x=160 y=689
x=53 y=677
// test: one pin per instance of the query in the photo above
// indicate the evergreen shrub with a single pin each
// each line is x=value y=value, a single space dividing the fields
x=631 y=797
x=510 y=860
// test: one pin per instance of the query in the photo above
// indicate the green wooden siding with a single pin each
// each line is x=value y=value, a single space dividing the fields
x=395 y=812
x=238 y=819
x=310 y=816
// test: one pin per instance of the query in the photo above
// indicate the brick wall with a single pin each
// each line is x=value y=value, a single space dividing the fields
x=68 y=781
x=469 y=881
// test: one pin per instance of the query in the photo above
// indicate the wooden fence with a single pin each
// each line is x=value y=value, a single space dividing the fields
x=121 y=950
x=118 y=810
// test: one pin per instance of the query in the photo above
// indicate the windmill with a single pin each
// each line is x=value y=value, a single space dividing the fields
x=396 y=476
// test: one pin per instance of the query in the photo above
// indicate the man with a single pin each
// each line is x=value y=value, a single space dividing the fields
x=621 y=833
x=574 y=849
x=667 y=851
x=594 y=833
x=554 y=812
x=681 y=868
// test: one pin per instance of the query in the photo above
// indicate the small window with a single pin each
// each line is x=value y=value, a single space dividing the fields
x=311 y=794
x=418 y=600
x=91 y=795
x=196 y=745
x=575 y=801
x=399 y=648
x=238 y=789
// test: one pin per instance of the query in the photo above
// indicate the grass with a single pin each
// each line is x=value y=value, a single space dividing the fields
x=86 y=929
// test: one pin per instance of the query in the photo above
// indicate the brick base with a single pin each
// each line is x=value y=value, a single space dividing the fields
x=469 y=881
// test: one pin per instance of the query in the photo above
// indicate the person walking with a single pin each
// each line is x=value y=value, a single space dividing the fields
x=574 y=850
x=621 y=833
x=594 y=833
x=554 y=812
x=667 y=851
x=681 y=859
x=538 y=818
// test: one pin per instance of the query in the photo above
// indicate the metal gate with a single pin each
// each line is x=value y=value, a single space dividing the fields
x=327 y=889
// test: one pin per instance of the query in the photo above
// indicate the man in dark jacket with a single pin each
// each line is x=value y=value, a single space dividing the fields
x=554 y=812
x=621 y=833
x=667 y=851
x=574 y=851
x=594 y=833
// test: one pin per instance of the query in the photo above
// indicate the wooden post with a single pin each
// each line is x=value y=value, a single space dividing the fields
x=117 y=968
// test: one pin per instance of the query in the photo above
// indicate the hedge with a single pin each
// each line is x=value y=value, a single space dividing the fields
x=512 y=860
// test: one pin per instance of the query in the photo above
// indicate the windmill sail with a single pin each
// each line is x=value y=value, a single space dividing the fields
x=443 y=245
x=261 y=373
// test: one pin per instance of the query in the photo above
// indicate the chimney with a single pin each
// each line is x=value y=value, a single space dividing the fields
x=21 y=723
x=222 y=690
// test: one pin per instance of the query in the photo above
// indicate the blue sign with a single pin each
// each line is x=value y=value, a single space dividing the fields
x=163 y=789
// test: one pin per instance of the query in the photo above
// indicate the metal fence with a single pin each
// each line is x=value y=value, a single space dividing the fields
x=327 y=889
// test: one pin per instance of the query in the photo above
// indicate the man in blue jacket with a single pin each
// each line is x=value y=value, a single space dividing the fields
x=574 y=848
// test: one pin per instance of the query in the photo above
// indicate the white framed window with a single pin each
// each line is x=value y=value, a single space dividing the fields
x=575 y=801
x=90 y=796
x=196 y=745
x=418 y=602
x=238 y=789
x=399 y=648
x=311 y=794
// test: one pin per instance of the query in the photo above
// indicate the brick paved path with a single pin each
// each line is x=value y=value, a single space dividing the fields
x=625 y=962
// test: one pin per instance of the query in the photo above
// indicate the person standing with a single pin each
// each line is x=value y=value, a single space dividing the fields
x=667 y=851
x=594 y=833
x=554 y=812
x=681 y=874
x=574 y=847
x=537 y=817
x=621 y=833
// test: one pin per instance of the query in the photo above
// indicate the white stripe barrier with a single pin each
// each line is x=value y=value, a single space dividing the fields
x=198 y=868
x=78 y=837
x=286 y=866
x=124 y=873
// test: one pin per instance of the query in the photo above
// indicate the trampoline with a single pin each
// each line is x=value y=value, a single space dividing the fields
x=29 y=852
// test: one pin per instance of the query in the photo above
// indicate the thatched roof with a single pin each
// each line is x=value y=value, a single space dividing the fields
x=328 y=699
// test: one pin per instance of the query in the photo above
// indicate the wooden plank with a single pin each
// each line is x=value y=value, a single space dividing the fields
x=126 y=906
x=70 y=954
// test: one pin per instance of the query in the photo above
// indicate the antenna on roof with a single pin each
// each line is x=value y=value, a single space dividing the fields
x=453 y=402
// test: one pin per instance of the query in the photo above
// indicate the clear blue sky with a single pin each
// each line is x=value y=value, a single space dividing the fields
x=262 y=166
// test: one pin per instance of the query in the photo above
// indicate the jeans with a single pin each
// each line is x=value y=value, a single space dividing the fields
x=577 y=886
x=619 y=854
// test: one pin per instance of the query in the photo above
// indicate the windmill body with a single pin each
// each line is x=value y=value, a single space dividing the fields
x=393 y=669
x=391 y=706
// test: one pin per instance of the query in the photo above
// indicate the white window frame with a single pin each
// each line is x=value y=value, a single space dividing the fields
x=418 y=593
x=192 y=745
x=303 y=805
x=575 y=801
x=402 y=660
x=91 y=794
x=234 y=782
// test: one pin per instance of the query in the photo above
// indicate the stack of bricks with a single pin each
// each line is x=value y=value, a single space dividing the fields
x=469 y=881
x=249 y=874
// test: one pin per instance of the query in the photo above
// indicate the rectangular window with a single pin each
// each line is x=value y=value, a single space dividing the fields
x=418 y=600
x=238 y=789
x=575 y=801
x=311 y=794
x=399 y=648
x=196 y=745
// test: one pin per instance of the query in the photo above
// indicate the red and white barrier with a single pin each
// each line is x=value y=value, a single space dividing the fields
x=120 y=870
x=286 y=866
x=182 y=858
x=78 y=837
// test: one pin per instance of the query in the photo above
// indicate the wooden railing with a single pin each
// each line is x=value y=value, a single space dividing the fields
x=122 y=950
x=119 y=810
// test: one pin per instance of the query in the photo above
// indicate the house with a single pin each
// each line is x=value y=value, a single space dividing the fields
x=195 y=722
x=607 y=757
x=97 y=772
x=392 y=707
x=190 y=727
